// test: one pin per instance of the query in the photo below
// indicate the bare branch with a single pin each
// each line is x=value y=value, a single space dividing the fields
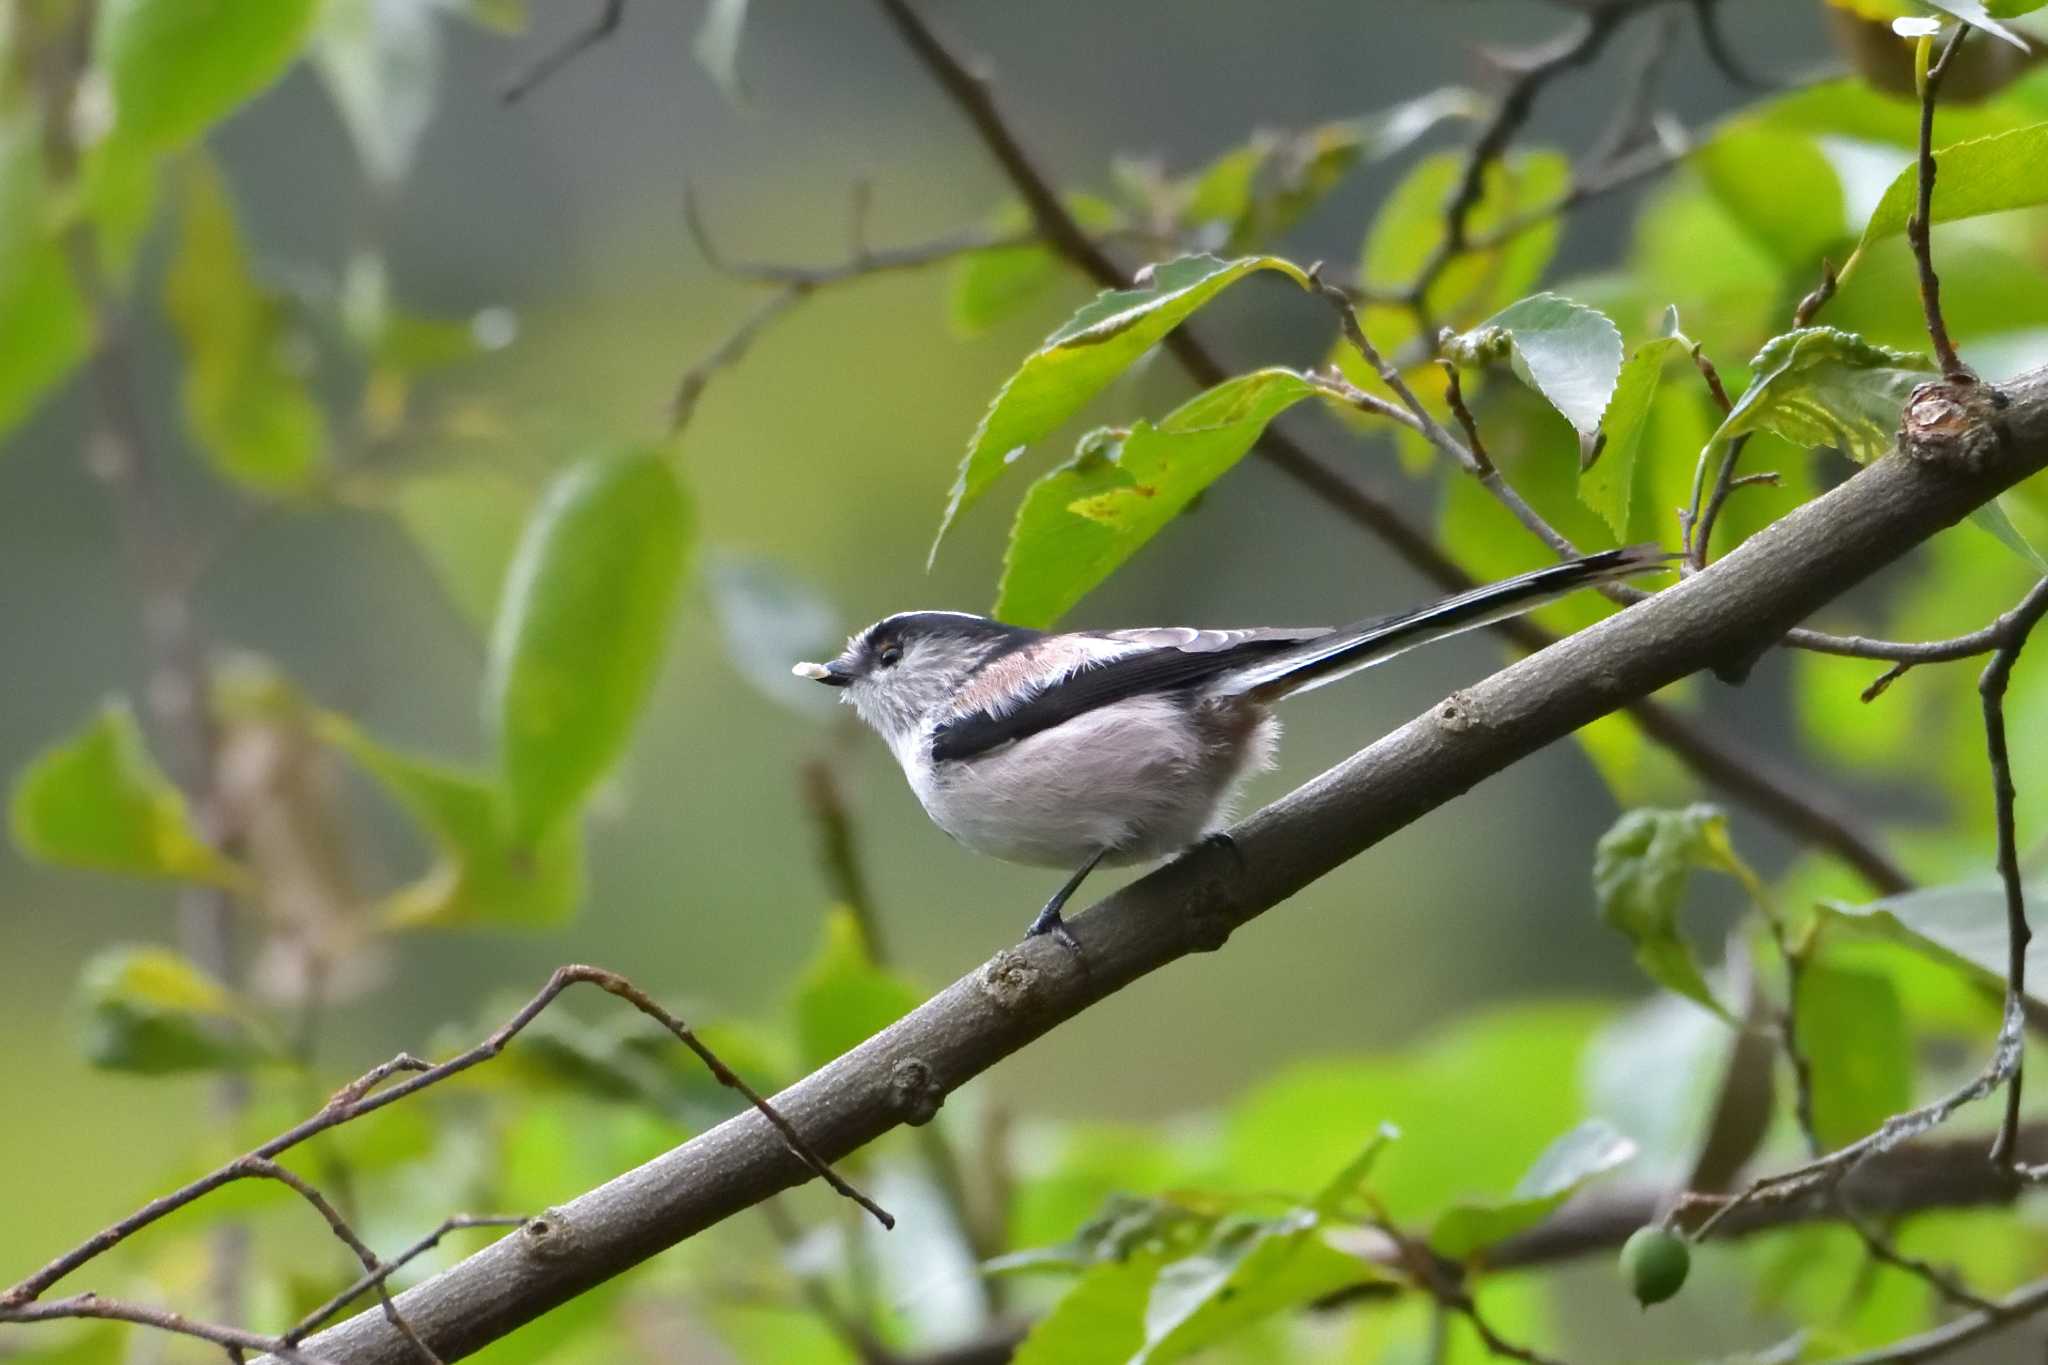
x=1917 y=225
x=375 y=1277
x=89 y=1305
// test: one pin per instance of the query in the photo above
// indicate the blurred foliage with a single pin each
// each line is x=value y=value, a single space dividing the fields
x=1311 y=1217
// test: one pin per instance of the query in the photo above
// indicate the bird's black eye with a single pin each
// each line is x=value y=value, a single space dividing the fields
x=889 y=655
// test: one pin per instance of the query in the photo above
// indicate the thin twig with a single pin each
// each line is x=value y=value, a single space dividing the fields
x=357 y=1099
x=90 y=1305
x=1953 y=1336
x=378 y=1276
x=1917 y=225
x=575 y=45
x=1707 y=18
x=1992 y=686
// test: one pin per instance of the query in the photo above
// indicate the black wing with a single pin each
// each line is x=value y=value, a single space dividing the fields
x=1168 y=668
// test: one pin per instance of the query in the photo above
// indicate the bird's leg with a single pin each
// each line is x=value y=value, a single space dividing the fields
x=1049 y=921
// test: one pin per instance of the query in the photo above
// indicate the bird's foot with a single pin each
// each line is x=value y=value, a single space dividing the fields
x=1049 y=922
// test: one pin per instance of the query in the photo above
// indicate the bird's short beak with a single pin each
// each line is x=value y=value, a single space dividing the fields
x=834 y=674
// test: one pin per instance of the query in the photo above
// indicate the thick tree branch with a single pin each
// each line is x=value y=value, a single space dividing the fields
x=1741 y=602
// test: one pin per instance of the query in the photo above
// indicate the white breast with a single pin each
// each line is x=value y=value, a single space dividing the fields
x=1138 y=778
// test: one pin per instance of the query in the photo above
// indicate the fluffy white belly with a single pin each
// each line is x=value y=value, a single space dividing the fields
x=1137 y=779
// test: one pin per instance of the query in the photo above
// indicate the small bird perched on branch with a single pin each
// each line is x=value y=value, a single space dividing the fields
x=1121 y=746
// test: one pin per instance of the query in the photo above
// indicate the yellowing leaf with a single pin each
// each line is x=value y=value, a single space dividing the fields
x=99 y=801
x=150 y=1011
x=250 y=410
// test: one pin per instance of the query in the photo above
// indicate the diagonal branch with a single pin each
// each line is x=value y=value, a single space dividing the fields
x=1193 y=904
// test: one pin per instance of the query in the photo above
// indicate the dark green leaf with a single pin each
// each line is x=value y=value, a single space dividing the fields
x=479 y=875
x=148 y=1010
x=1592 y=1148
x=843 y=998
x=581 y=631
x=1640 y=869
x=1821 y=387
x=1250 y=1269
x=1078 y=524
x=1078 y=360
x=47 y=330
x=1569 y=353
x=1780 y=187
x=179 y=66
x=1852 y=1032
x=250 y=410
x=1985 y=175
x=97 y=800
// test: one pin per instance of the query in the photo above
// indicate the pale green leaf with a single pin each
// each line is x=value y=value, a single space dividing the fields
x=1795 y=210
x=1640 y=870
x=152 y=1012
x=1345 y=1185
x=381 y=62
x=99 y=801
x=1852 y=1033
x=1078 y=360
x=466 y=523
x=1250 y=1269
x=249 y=408
x=989 y=286
x=1591 y=1149
x=581 y=630
x=1079 y=523
x=717 y=44
x=1985 y=175
x=479 y=875
x=1101 y=1319
x=179 y=66
x=843 y=997
x=47 y=330
x=1607 y=484
x=1822 y=387
x=1569 y=353
x=1962 y=924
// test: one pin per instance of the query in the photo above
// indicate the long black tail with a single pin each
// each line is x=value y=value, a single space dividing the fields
x=1330 y=657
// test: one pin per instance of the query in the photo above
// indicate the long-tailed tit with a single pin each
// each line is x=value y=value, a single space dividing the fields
x=1121 y=746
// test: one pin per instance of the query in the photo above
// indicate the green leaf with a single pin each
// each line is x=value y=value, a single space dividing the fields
x=98 y=801
x=1640 y=868
x=246 y=405
x=843 y=998
x=2011 y=9
x=1250 y=1269
x=466 y=522
x=1821 y=387
x=1859 y=1052
x=1082 y=357
x=149 y=1011
x=1569 y=353
x=47 y=330
x=1592 y=1148
x=1985 y=175
x=179 y=66
x=479 y=875
x=1101 y=1319
x=717 y=45
x=1962 y=924
x=989 y=286
x=1345 y=1185
x=1079 y=523
x=381 y=63
x=1409 y=228
x=1606 y=485
x=581 y=630
x=1795 y=210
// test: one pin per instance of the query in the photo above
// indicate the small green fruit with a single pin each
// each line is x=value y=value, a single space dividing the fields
x=1655 y=1263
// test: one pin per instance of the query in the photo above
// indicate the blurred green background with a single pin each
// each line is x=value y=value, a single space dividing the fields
x=827 y=451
